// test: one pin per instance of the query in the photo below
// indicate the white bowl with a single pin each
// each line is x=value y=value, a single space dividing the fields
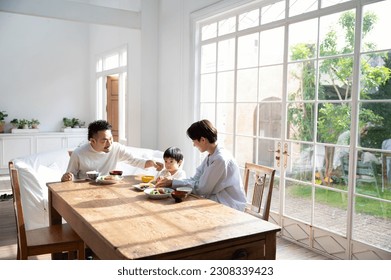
x=185 y=189
x=93 y=175
x=151 y=192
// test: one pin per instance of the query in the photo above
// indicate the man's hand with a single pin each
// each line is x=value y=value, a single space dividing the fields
x=159 y=166
x=67 y=177
x=152 y=163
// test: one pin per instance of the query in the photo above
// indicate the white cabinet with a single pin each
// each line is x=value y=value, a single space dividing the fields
x=73 y=140
x=48 y=143
x=14 y=147
x=19 y=145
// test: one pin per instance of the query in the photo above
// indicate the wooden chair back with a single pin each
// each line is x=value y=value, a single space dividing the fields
x=17 y=202
x=47 y=240
x=262 y=181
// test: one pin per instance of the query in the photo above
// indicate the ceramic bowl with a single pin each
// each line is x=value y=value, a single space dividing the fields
x=185 y=189
x=179 y=196
x=158 y=193
x=116 y=172
x=93 y=175
x=147 y=178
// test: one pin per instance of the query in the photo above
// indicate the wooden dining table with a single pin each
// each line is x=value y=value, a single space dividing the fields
x=118 y=221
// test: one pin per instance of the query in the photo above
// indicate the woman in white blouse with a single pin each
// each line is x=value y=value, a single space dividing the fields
x=218 y=177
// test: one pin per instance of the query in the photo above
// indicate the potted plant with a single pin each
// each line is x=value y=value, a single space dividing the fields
x=72 y=123
x=34 y=123
x=75 y=122
x=67 y=122
x=19 y=124
x=3 y=115
x=15 y=123
x=24 y=124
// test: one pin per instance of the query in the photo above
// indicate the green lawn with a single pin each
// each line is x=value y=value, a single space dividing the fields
x=340 y=200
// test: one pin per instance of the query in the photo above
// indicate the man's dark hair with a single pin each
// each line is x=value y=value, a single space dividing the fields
x=96 y=126
x=173 y=152
x=204 y=129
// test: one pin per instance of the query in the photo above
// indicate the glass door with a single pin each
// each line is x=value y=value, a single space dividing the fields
x=309 y=92
x=335 y=120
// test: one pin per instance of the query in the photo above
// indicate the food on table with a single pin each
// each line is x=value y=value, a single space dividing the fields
x=147 y=178
x=144 y=186
x=116 y=172
x=158 y=191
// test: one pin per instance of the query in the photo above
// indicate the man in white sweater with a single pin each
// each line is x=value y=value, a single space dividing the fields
x=101 y=154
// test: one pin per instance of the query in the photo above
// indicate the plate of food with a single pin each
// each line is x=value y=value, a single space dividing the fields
x=109 y=179
x=143 y=186
x=158 y=193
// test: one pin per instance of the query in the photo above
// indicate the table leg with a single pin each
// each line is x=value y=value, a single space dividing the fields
x=54 y=219
x=270 y=246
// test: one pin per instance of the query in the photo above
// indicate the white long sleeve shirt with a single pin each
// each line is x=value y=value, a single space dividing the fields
x=218 y=178
x=179 y=174
x=85 y=158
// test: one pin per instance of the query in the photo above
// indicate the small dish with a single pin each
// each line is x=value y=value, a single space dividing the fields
x=116 y=172
x=93 y=175
x=185 y=189
x=179 y=196
x=143 y=186
x=109 y=179
x=147 y=178
x=158 y=193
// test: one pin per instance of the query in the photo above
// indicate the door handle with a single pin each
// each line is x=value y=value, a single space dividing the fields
x=278 y=154
x=285 y=153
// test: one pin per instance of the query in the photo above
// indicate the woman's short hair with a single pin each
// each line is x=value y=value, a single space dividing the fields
x=203 y=128
x=173 y=152
x=96 y=126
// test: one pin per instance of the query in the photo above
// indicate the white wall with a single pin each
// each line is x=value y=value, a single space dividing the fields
x=48 y=65
x=44 y=70
x=149 y=71
x=176 y=95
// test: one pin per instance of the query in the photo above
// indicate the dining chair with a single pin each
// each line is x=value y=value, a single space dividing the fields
x=260 y=185
x=41 y=241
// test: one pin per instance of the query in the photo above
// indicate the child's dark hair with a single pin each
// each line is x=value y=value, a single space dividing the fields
x=173 y=152
x=204 y=129
x=96 y=126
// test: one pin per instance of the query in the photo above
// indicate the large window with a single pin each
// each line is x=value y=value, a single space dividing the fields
x=311 y=81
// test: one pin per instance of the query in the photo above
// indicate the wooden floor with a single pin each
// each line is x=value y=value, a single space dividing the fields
x=286 y=250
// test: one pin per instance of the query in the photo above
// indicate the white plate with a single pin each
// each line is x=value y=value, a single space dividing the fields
x=109 y=179
x=151 y=193
x=185 y=189
x=143 y=186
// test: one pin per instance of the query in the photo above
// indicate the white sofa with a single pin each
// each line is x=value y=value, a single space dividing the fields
x=38 y=169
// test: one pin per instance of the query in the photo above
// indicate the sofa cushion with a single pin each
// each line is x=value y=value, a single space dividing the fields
x=34 y=172
x=58 y=157
x=34 y=197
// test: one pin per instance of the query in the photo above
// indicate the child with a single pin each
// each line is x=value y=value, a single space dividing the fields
x=173 y=159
